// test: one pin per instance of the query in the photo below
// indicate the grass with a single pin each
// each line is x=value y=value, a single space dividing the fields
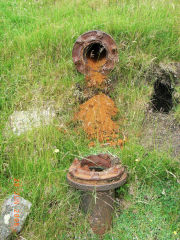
x=36 y=40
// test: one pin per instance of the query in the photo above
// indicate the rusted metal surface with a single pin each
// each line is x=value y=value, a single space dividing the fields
x=95 y=55
x=102 y=160
x=102 y=43
x=94 y=186
x=99 y=208
x=96 y=172
x=98 y=176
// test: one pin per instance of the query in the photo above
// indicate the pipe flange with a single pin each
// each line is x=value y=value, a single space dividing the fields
x=87 y=40
x=96 y=172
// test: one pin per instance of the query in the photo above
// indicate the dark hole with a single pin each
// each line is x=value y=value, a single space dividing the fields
x=97 y=168
x=162 y=100
x=95 y=51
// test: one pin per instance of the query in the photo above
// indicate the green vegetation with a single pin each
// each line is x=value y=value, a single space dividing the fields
x=36 y=68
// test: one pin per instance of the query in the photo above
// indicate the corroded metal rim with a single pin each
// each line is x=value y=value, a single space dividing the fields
x=82 y=177
x=111 y=173
x=96 y=186
x=89 y=38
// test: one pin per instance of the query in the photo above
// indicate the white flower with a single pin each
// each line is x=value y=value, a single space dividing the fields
x=163 y=192
x=56 y=150
x=137 y=160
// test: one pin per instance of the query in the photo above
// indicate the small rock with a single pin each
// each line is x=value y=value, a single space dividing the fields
x=10 y=208
x=23 y=121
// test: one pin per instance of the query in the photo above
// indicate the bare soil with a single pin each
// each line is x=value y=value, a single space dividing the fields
x=161 y=132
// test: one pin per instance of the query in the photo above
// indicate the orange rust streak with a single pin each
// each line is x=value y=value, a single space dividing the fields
x=96 y=114
x=94 y=77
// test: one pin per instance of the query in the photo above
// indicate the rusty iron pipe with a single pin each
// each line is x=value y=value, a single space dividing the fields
x=99 y=207
x=96 y=45
x=97 y=176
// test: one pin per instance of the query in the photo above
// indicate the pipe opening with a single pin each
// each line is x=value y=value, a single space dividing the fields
x=95 y=52
x=162 y=100
x=97 y=168
x=98 y=163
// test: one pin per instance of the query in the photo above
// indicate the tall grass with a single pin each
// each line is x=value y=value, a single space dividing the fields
x=36 y=40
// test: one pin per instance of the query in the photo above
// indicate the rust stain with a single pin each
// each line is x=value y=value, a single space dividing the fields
x=94 y=77
x=96 y=113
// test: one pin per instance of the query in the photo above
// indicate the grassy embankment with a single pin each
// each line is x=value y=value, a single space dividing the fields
x=36 y=40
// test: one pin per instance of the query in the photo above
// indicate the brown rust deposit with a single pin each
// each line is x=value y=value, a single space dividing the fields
x=96 y=113
x=94 y=77
x=96 y=116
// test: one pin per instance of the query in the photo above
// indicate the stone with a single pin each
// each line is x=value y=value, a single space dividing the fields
x=12 y=206
x=22 y=121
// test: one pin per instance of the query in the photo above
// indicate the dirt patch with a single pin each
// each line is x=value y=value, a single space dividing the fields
x=161 y=132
